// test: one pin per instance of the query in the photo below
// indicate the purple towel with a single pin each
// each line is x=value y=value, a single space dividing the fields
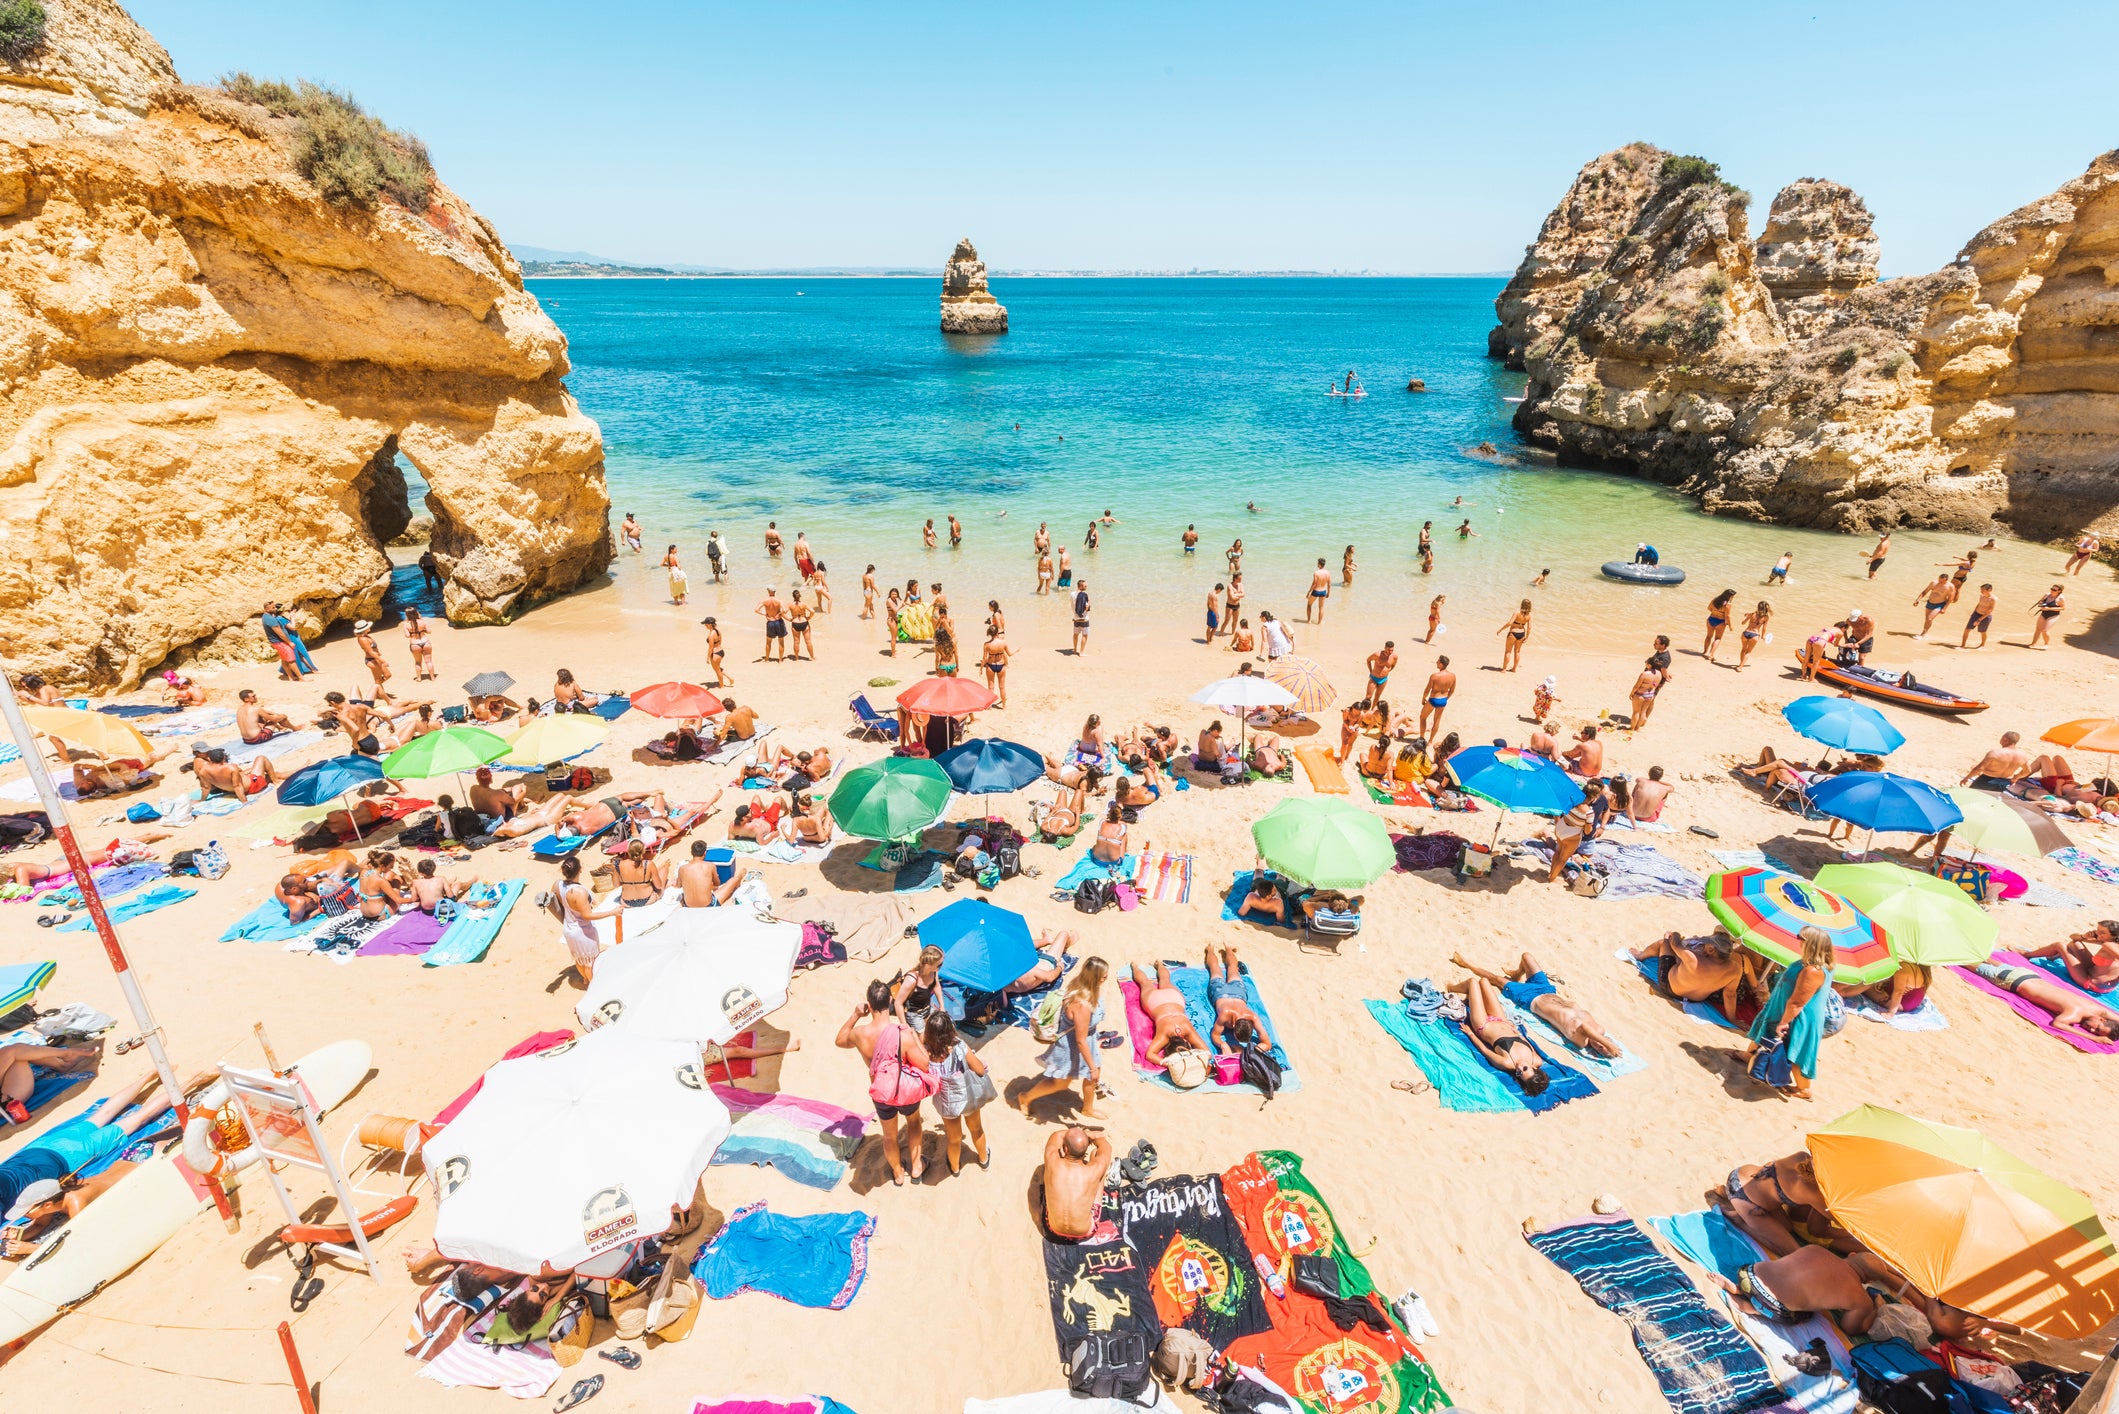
x=1441 y=850
x=410 y=936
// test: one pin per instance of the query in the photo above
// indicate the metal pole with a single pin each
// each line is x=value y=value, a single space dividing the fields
x=85 y=880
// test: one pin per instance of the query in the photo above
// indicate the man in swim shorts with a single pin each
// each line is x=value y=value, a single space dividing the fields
x=1529 y=989
x=1435 y=697
x=2001 y=767
x=775 y=626
x=2071 y=1012
x=1165 y=1009
x=1808 y=1281
x=36 y=1175
x=257 y=724
x=588 y=819
x=1213 y=609
x=1320 y=590
x=1235 y=1024
x=1981 y=618
x=1381 y=662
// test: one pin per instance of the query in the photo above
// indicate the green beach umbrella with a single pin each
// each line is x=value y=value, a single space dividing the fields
x=1327 y=844
x=1927 y=920
x=891 y=799
x=441 y=753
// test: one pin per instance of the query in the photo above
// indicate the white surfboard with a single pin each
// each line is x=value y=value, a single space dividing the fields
x=141 y=1211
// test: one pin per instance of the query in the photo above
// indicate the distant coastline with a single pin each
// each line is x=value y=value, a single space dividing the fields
x=586 y=270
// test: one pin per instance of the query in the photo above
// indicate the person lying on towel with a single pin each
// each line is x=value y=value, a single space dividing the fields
x=38 y=1190
x=1711 y=970
x=1235 y=1024
x=1165 y=1009
x=1530 y=989
x=1496 y=1038
x=2072 y=1012
x=1809 y=1281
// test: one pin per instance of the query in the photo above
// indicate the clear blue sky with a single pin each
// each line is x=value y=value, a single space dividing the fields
x=1399 y=137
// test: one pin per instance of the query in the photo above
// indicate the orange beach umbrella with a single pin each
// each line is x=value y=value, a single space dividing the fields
x=1970 y=1223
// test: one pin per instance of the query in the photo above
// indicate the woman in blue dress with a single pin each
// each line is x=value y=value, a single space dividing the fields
x=1795 y=1010
x=1073 y=1054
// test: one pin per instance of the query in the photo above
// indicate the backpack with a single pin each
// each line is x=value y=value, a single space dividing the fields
x=582 y=779
x=1111 y=1365
x=1093 y=896
x=1891 y=1375
x=1258 y=1067
x=1009 y=859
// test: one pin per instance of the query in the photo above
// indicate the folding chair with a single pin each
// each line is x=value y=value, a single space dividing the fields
x=871 y=722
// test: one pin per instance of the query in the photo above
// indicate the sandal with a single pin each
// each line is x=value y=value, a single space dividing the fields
x=1703 y=830
x=1109 y=1039
x=622 y=1357
x=582 y=1392
x=1412 y=1087
x=986 y=1159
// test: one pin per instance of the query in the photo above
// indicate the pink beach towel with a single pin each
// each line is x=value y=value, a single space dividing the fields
x=2037 y=1015
x=1140 y=1028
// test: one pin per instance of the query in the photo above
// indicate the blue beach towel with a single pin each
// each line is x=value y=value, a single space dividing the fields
x=1088 y=868
x=1567 y=1083
x=1191 y=984
x=9 y=753
x=612 y=708
x=1017 y=1009
x=1234 y=896
x=475 y=929
x=135 y=709
x=1702 y=1362
x=160 y=896
x=817 y=1261
x=110 y=883
x=45 y=1087
x=1596 y=1067
x=1462 y=1080
x=267 y=923
x=550 y=847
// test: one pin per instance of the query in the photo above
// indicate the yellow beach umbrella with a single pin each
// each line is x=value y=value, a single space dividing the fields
x=1969 y=1222
x=555 y=738
x=1303 y=677
x=2001 y=823
x=111 y=737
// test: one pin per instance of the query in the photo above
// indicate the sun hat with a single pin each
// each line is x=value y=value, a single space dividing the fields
x=1187 y=1069
x=362 y=625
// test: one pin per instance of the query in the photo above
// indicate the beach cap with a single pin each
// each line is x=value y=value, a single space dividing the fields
x=199 y=747
x=42 y=1191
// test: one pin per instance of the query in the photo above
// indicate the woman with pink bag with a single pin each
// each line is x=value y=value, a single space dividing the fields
x=899 y=1077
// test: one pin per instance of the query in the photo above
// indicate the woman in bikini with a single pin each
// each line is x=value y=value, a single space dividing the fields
x=1350 y=727
x=1434 y=617
x=914 y=993
x=798 y=617
x=1770 y=1201
x=2046 y=610
x=379 y=895
x=1718 y=615
x=1110 y=846
x=1064 y=816
x=868 y=592
x=1754 y=632
x=821 y=592
x=640 y=879
x=378 y=669
x=1347 y=566
x=1517 y=629
x=1165 y=1009
x=1642 y=693
x=1496 y=1037
x=1235 y=595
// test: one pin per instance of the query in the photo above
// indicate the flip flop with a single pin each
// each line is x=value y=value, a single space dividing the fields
x=1412 y=1087
x=582 y=1392
x=1703 y=830
x=1109 y=1039
x=623 y=1358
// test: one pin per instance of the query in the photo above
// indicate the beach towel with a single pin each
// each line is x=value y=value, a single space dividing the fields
x=160 y=896
x=2083 y=862
x=923 y=871
x=1597 y=1067
x=1398 y=793
x=612 y=707
x=525 y=1371
x=997 y=1010
x=1751 y=859
x=1702 y=1362
x=1709 y=1240
x=1657 y=827
x=1326 y=775
x=1462 y=1080
x=1191 y=984
x=45 y=1087
x=1928 y=1018
x=193 y=721
x=272 y=748
x=339 y=938
x=217 y=805
x=409 y=936
x=132 y=710
x=110 y=883
x=808 y=1141
x=1636 y=870
x=1440 y=850
x=1088 y=868
x=800 y=1404
x=1567 y=1082
x=786 y=851
x=475 y=928
x=551 y=848
x=267 y=923
x=1699 y=1012
x=1182 y=1229
x=817 y=1261
x=2037 y=1015
x=734 y=750
x=9 y=753
x=2042 y=895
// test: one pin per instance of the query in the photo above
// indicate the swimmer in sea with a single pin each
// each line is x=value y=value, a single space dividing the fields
x=1543 y=575
x=1465 y=531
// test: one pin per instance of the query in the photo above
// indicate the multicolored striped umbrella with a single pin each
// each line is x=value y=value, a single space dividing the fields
x=1767 y=910
x=1303 y=677
x=20 y=982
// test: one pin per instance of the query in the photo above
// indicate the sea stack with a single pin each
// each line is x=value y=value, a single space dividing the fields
x=967 y=306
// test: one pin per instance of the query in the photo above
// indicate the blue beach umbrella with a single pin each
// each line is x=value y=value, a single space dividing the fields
x=1881 y=801
x=991 y=767
x=1844 y=724
x=1515 y=780
x=329 y=779
x=984 y=948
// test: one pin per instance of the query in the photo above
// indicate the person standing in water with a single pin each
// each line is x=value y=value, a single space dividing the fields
x=1935 y=598
x=1191 y=539
x=631 y=531
x=927 y=533
x=1517 y=630
x=1754 y=631
x=1044 y=572
x=1876 y=556
x=1042 y=541
x=1066 y=569
x=2045 y=611
x=956 y=533
x=868 y=592
x=1718 y=615
x=1347 y=566
x=716 y=555
x=1320 y=590
x=679 y=587
x=772 y=538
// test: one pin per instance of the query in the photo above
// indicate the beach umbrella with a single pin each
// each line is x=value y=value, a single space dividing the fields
x=984 y=948
x=571 y=1153
x=891 y=799
x=1969 y=1222
x=21 y=981
x=1927 y=920
x=1845 y=724
x=2098 y=734
x=700 y=975
x=328 y=780
x=1766 y=910
x=1325 y=843
x=676 y=699
x=1306 y=680
x=2002 y=823
x=1882 y=802
x=442 y=752
x=112 y=738
x=990 y=767
x=1243 y=693
x=1515 y=780
x=559 y=737
x=947 y=697
x=489 y=684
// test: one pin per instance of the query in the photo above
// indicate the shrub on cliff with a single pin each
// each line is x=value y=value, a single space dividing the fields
x=347 y=153
x=1689 y=171
x=21 y=29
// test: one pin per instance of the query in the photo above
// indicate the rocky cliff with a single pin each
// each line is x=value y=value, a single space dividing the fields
x=1780 y=379
x=967 y=306
x=208 y=371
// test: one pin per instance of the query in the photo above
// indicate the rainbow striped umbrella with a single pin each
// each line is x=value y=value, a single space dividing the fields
x=1303 y=677
x=1766 y=910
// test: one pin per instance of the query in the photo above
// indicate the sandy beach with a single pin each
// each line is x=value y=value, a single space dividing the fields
x=955 y=1304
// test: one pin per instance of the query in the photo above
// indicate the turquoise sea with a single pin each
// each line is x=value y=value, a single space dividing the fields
x=838 y=409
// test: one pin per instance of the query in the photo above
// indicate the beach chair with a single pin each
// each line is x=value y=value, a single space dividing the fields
x=685 y=818
x=1322 y=931
x=869 y=721
x=1786 y=796
x=551 y=848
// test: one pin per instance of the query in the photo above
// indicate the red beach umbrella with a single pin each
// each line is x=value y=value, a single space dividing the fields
x=677 y=699
x=945 y=697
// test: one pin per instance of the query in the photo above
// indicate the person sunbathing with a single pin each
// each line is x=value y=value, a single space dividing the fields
x=430 y=888
x=1071 y=1182
x=1529 y=988
x=1164 y=1006
x=1052 y=948
x=126 y=849
x=1060 y=819
x=19 y=1063
x=799 y=770
x=299 y=896
x=97 y=775
x=1235 y=1024
x=1264 y=900
x=493 y=708
x=1904 y=991
x=1210 y=753
x=1947 y=1321
x=363 y=817
x=602 y=813
x=1136 y=792
x=217 y=775
x=495 y=802
x=1769 y=1202
x=810 y=823
x=640 y=879
x=379 y=893
x=2072 y=1013
x=1777 y=773
x=1346 y=907
x=38 y=1188
x=1699 y=970
x=1109 y=846
x=755 y=822
x=536 y=819
x=1806 y=1282
x=2091 y=959
x=1496 y=1038
x=1267 y=759
x=1376 y=763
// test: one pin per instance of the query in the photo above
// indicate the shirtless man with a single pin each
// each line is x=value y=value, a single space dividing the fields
x=1980 y=620
x=493 y=802
x=298 y=894
x=1703 y=970
x=1434 y=698
x=2072 y=1012
x=1076 y=1160
x=1861 y=635
x=1586 y=757
x=1934 y=600
x=610 y=809
x=2001 y=767
x=2092 y=958
x=37 y=1183
x=1808 y=1281
x=1320 y=590
x=536 y=819
x=1497 y=1038
x=1165 y=1007
x=257 y=724
x=227 y=778
x=1381 y=662
x=699 y=883
x=1235 y=1024
x=775 y=614
x=1644 y=800
x=1529 y=988
x=1876 y=556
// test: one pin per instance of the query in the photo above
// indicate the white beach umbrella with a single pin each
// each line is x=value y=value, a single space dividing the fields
x=574 y=1152
x=1242 y=693
x=704 y=975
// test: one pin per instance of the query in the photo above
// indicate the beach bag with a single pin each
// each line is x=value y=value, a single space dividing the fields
x=891 y=1081
x=1891 y=1375
x=1587 y=878
x=210 y=862
x=141 y=812
x=1187 y=1069
x=1228 y=1070
x=1111 y=1365
x=1044 y=1020
x=1257 y=1066
x=582 y=779
x=1008 y=858
x=1093 y=896
x=1773 y=1067
x=1975 y=879
x=979 y=1090
x=1477 y=860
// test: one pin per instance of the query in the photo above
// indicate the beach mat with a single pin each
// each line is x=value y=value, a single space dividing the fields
x=1636 y=870
x=410 y=936
x=612 y=707
x=267 y=923
x=1709 y=1240
x=1327 y=777
x=1191 y=984
x=1702 y=1363
x=158 y=897
x=808 y=1141
x=2037 y=1015
x=551 y=848
x=1234 y=896
x=2083 y=862
x=1462 y=1081
x=474 y=931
